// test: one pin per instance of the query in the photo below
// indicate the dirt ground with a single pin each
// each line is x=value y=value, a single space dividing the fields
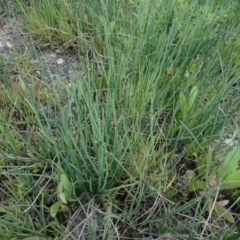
x=45 y=62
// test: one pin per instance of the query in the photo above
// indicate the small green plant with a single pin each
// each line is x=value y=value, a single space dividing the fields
x=64 y=195
x=225 y=177
x=187 y=104
x=227 y=171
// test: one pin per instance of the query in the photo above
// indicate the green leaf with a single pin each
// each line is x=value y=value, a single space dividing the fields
x=209 y=161
x=65 y=183
x=187 y=74
x=231 y=181
x=197 y=185
x=2 y=163
x=64 y=190
x=183 y=104
x=63 y=197
x=223 y=212
x=192 y=96
x=54 y=208
x=230 y=163
x=112 y=26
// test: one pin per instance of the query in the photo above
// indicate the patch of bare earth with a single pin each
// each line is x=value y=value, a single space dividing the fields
x=47 y=63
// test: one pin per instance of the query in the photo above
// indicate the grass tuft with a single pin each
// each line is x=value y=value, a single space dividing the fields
x=134 y=147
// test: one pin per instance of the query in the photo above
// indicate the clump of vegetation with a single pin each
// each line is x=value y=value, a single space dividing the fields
x=141 y=139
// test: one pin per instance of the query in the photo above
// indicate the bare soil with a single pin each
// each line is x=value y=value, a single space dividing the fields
x=45 y=62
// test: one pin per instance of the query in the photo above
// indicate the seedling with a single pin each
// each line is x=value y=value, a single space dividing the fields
x=225 y=177
x=63 y=193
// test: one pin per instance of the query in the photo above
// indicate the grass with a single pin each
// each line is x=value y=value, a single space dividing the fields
x=138 y=139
